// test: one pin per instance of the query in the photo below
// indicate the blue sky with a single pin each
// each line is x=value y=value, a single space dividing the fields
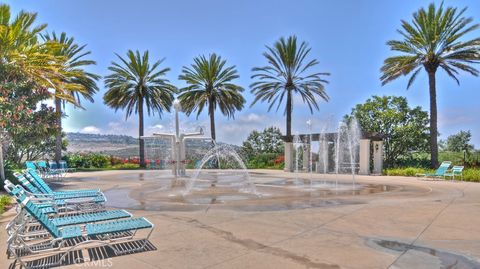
x=347 y=37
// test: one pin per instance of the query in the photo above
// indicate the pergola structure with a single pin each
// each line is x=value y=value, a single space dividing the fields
x=370 y=143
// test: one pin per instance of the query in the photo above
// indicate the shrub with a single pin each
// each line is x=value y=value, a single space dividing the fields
x=90 y=160
x=471 y=174
x=126 y=166
x=115 y=160
x=266 y=160
x=405 y=172
x=4 y=202
x=98 y=160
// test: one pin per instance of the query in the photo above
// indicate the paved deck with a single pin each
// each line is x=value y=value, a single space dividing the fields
x=437 y=221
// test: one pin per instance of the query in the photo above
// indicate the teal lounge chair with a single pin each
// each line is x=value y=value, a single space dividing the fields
x=63 y=201
x=25 y=224
x=58 y=238
x=38 y=182
x=38 y=189
x=30 y=165
x=46 y=171
x=64 y=166
x=440 y=172
x=456 y=171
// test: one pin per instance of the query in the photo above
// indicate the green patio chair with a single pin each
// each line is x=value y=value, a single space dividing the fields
x=438 y=173
x=456 y=171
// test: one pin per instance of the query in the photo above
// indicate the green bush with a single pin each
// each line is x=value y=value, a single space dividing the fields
x=90 y=160
x=126 y=166
x=264 y=160
x=10 y=168
x=98 y=160
x=471 y=174
x=405 y=172
x=4 y=202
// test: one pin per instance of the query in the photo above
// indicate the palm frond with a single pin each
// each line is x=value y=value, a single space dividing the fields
x=133 y=80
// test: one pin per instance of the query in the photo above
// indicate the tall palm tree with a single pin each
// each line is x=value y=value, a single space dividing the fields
x=133 y=84
x=22 y=51
x=433 y=39
x=286 y=75
x=210 y=85
x=82 y=84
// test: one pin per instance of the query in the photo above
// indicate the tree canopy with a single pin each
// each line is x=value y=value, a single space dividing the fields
x=405 y=128
x=459 y=142
x=267 y=141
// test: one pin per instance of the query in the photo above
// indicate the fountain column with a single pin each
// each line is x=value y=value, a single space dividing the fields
x=288 y=157
x=306 y=157
x=377 y=157
x=364 y=161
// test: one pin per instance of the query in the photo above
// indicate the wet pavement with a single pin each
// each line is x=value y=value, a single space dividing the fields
x=313 y=221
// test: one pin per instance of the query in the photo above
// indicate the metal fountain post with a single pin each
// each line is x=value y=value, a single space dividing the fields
x=178 y=142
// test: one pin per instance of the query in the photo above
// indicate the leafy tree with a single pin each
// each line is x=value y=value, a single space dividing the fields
x=210 y=85
x=134 y=84
x=460 y=142
x=434 y=39
x=405 y=129
x=82 y=83
x=285 y=75
x=31 y=130
x=267 y=141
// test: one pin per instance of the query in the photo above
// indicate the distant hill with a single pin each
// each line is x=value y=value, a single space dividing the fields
x=125 y=146
x=99 y=138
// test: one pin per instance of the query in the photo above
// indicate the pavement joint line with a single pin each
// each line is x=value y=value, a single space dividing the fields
x=145 y=262
x=261 y=246
x=429 y=224
x=291 y=237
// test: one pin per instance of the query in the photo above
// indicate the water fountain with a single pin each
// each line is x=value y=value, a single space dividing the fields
x=177 y=140
x=323 y=150
x=233 y=175
x=298 y=147
x=347 y=148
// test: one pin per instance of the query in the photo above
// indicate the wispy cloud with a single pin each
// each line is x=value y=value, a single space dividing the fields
x=90 y=130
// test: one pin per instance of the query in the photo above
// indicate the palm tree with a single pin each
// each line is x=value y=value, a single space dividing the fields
x=22 y=52
x=430 y=41
x=83 y=84
x=285 y=75
x=210 y=85
x=133 y=84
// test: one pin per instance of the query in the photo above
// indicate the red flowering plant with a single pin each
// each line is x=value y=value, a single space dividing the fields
x=29 y=125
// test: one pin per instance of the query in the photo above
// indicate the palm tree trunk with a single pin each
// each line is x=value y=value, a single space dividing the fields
x=58 y=139
x=289 y=117
x=211 y=113
x=141 y=142
x=433 y=120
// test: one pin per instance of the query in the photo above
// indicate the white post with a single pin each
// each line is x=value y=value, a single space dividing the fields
x=377 y=157
x=177 y=107
x=174 y=156
x=182 y=156
x=288 y=157
x=364 y=157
